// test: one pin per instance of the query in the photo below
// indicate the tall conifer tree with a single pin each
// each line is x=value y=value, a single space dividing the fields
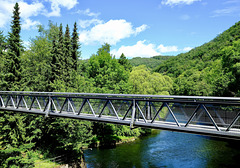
x=67 y=54
x=12 y=63
x=60 y=53
x=2 y=50
x=75 y=46
x=2 y=56
x=2 y=44
x=55 y=66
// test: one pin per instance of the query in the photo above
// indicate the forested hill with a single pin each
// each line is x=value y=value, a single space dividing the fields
x=152 y=62
x=211 y=69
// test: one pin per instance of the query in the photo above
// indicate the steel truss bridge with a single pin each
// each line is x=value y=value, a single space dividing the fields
x=212 y=116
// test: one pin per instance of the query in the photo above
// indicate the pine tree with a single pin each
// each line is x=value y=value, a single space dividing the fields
x=55 y=66
x=60 y=53
x=124 y=61
x=12 y=63
x=15 y=136
x=2 y=50
x=75 y=46
x=2 y=44
x=2 y=57
x=67 y=54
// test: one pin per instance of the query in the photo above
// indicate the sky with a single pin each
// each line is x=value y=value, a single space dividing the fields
x=137 y=28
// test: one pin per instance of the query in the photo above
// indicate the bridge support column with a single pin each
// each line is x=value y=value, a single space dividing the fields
x=148 y=111
x=133 y=114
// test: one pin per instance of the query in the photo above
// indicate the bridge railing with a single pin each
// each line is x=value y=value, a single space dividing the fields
x=215 y=116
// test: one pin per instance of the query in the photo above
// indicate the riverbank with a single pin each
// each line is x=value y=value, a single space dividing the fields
x=117 y=141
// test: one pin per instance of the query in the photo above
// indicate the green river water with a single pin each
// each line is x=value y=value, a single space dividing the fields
x=168 y=149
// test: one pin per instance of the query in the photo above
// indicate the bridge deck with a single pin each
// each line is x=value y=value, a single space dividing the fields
x=213 y=116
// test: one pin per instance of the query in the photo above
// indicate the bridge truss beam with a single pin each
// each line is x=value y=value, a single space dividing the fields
x=213 y=116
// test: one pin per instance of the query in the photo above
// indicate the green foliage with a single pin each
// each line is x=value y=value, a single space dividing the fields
x=37 y=64
x=3 y=47
x=66 y=136
x=210 y=81
x=106 y=73
x=231 y=64
x=16 y=157
x=152 y=62
x=109 y=134
x=18 y=134
x=43 y=68
x=75 y=46
x=210 y=70
x=12 y=67
x=145 y=82
x=67 y=54
x=125 y=62
x=3 y=44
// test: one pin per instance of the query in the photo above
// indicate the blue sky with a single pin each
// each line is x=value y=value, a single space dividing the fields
x=137 y=28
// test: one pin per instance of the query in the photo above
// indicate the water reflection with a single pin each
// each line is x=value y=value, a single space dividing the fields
x=167 y=149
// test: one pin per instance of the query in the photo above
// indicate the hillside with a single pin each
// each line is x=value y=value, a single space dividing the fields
x=211 y=69
x=152 y=62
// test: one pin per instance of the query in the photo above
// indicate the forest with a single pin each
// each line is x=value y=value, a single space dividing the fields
x=151 y=62
x=53 y=63
x=212 y=69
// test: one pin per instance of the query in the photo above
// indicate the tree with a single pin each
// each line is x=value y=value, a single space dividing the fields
x=55 y=65
x=3 y=44
x=231 y=64
x=107 y=73
x=145 y=82
x=2 y=56
x=12 y=63
x=69 y=67
x=60 y=53
x=40 y=61
x=124 y=61
x=75 y=46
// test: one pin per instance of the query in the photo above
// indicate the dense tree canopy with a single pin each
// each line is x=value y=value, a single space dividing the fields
x=145 y=82
x=106 y=73
x=52 y=63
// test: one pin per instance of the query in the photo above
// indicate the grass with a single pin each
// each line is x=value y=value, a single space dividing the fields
x=45 y=163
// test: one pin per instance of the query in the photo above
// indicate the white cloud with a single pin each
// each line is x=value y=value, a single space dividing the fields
x=231 y=2
x=69 y=4
x=29 y=24
x=3 y=19
x=165 y=49
x=186 y=49
x=110 y=32
x=226 y=11
x=178 y=2
x=88 y=13
x=141 y=28
x=26 y=11
x=32 y=8
x=6 y=8
x=55 y=6
x=142 y=49
x=87 y=23
x=138 y=50
x=26 y=44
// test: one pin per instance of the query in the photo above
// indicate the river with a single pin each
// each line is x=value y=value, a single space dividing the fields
x=167 y=149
